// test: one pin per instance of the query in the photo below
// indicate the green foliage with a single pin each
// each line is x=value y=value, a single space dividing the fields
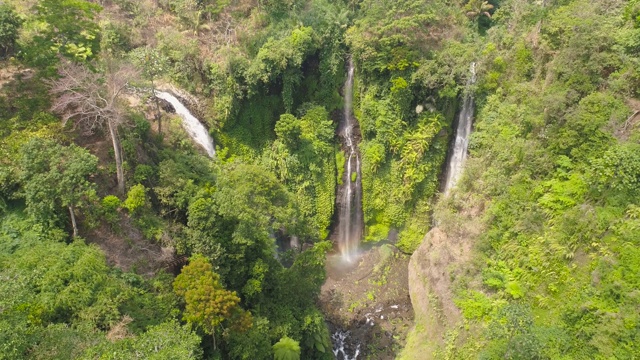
x=385 y=37
x=208 y=304
x=278 y=55
x=45 y=162
x=617 y=171
x=316 y=334
x=554 y=164
x=289 y=130
x=144 y=174
x=254 y=344
x=397 y=80
x=286 y=349
x=58 y=306
x=151 y=61
x=305 y=147
x=10 y=24
x=180 y=176
x=476 y=9
x=65 y=27
x=446 y=71
x=116 y=38
x=474 y=305
x=400 y=174
x=136 y=199
x=169 y=340
x=110 y=203
x=109 y=207
x=254 y=197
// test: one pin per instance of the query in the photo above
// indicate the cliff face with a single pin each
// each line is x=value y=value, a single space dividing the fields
x=443 y=257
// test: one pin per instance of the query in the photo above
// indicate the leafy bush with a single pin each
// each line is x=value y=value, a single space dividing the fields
x=136 y=199
x=110 y=205
x=9 y=26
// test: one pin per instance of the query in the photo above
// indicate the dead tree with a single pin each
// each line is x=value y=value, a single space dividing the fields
x=92 y=101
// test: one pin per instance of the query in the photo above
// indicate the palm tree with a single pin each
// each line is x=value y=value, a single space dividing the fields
x=477 y=8
x=286 y=349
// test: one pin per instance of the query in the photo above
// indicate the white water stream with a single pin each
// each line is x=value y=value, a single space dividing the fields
x=341 y=346
x=461 y=145
x=350 y=221
x=190 y=123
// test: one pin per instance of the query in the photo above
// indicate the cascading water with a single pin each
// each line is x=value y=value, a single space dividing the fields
x=350 y=221
x=342 y=347
x=459 y=151
x=191 y=124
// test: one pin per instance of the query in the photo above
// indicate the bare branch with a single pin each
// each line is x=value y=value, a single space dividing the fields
x=92 y=100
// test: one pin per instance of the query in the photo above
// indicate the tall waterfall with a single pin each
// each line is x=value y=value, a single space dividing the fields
x=190 y=123
x=350 y=221
x=459 y=151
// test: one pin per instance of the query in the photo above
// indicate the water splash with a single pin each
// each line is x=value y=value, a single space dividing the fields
x=190 y=123
x=342 y=347
x=350 y=221
x=461 y=145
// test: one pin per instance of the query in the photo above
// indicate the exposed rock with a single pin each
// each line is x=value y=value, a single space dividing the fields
x=195 y=106
x=430 y=278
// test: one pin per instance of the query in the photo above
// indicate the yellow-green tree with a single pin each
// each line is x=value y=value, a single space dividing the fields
x=208 y=303
x=286 y=349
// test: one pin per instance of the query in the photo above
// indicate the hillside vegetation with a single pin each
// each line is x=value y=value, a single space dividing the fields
x=551 y=188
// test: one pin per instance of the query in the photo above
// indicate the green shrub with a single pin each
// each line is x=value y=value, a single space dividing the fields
x=144 y=173
x=109 y=209
x=150 y=225
x=11 y=23
x=110 y=204
x=136 y=199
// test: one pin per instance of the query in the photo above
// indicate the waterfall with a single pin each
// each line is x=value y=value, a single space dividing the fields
x=459 y=151
x=190 y=123
x=350 y=221
x=342 y=347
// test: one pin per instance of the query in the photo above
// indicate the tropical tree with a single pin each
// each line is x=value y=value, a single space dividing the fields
x=478 y=8
x=93 y=100
x=9 y=25
x=208 y=303
x=286 y=349
x=56 y=176
x=68 y=28
x=152 y=63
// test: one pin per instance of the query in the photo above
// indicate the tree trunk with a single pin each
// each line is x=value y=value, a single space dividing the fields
x=73 y=221
x=118 y=155
x=213 y=333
